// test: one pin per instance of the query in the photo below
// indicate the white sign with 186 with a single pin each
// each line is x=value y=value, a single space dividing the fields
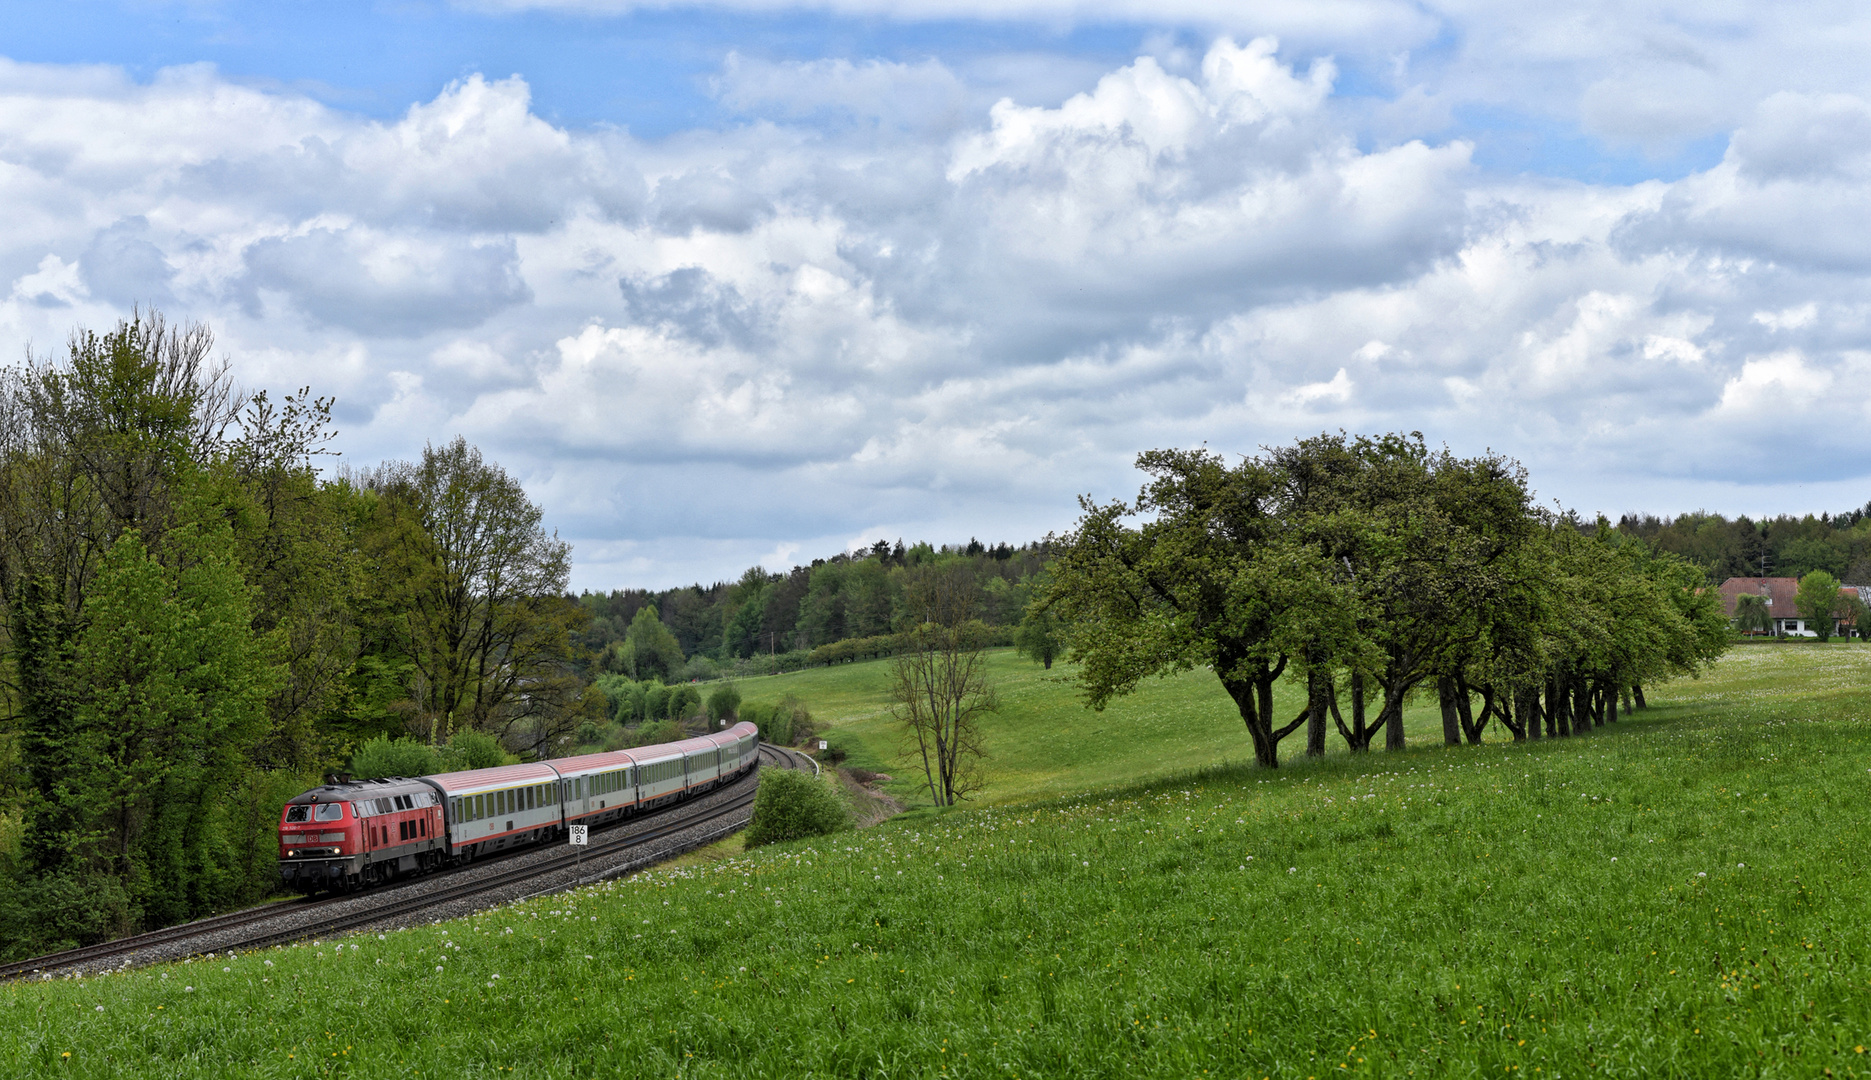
x=578 y=835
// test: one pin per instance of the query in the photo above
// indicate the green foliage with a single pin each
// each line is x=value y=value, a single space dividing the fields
x=1818 y=602
x=1374 y=567
x=682 y=702
x=698 y=668
x=1790 y=546
x=471 y=749
x=650 y=650
x=477 y=597
x=652 y=733
x=1040 y=638
x=784 y=722
x=404 y=756
x=655 y=701
x=794 y=806
x=724 y=702
x=1751 y=614
x=167 y=694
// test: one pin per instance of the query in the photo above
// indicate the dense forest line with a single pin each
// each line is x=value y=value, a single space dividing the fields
x=1784 y=546
x=767 y=621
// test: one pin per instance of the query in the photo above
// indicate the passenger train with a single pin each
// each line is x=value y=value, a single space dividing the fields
x=363 y=832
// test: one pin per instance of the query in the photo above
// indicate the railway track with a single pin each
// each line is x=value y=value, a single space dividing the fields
x=415 y=897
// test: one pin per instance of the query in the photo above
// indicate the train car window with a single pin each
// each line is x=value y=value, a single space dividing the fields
x=330 y=811
x=422 y=826
x=480 y=807
x=301 y=812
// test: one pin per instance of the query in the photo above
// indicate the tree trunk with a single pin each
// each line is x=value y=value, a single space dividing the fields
x=1392 y=719
x=1581 y=707
x=1624 y=692
x=1254 y=699
x=1259 y=728
x=1611 y=704
x=1445 y=696
x=1512 y=718
x=1637 y=694
x=1318 y=690
x=1357 y=736
x=1529 y=709
x=1464 y=711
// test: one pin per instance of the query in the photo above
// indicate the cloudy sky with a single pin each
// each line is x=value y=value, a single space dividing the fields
x=749 y=280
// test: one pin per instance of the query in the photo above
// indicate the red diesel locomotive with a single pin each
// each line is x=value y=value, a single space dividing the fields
x=363 y=832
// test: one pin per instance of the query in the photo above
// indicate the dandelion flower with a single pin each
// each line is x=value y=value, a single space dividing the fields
x=100 y=1008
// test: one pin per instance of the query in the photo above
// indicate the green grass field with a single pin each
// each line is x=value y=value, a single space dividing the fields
x=1683 y=895
x=1044 y=741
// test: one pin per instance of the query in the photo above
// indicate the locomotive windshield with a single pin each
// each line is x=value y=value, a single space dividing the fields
x=331 y=811
x=300 y=812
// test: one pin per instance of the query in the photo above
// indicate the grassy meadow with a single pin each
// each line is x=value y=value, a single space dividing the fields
x=1682 y=895
x=1043 y=740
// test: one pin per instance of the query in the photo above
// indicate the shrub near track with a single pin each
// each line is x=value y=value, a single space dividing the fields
x=1679 y=896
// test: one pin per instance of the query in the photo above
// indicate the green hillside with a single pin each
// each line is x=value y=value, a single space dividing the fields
x=1681 y=895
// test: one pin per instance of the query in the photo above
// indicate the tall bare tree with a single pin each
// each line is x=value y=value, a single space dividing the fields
x=939 y=685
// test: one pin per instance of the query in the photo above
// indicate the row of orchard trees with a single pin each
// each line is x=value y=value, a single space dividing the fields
x=197 y=625
x=1372 y=569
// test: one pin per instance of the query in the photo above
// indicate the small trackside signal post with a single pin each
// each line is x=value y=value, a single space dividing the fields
x=578 y=841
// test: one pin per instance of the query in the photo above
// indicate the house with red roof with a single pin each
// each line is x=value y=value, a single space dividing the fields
x=1778 y=593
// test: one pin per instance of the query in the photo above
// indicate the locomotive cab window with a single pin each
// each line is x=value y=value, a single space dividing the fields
x=301 y=812
x=330 y=811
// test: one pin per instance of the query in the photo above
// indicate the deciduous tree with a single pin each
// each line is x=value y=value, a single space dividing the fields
x=939 y=686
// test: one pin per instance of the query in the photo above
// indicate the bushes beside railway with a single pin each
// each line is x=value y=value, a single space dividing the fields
x=783 y=723
x=793 y=805
x=384 y=756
